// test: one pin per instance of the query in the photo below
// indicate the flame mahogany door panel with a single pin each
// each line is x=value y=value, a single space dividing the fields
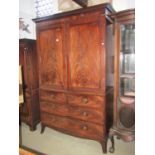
x=86 y=55
x=52 y=57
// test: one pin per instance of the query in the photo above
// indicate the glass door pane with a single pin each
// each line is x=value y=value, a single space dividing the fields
x=127 y=61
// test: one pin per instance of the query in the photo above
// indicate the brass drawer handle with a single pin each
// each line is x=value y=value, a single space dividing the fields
x=52 y=95
x=52 y=118
x=53 y=106
x=85 y=100
x=82 y=15
x=84 y=113
x=84 y=127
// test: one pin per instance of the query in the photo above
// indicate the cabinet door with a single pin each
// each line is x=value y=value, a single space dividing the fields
x=126 y=76
x=52 y=57
x=86 y=56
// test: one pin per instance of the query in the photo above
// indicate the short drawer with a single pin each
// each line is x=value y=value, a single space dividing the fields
x=52 y=96
x=73 y=126
x=86 y=100
x=54 y=108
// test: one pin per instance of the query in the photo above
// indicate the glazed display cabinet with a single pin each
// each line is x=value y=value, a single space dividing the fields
x=124 y=77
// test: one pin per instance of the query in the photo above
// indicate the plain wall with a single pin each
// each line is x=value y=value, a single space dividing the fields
x=27 y=11
x=123 y=4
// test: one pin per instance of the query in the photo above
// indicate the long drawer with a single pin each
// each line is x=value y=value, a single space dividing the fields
x=73 y=126
x=82 y=113
x=86 y=100
x=87 y=114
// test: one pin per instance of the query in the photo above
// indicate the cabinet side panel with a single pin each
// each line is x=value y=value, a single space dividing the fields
x=109 y=74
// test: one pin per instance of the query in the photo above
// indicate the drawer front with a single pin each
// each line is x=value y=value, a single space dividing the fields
x=52 y=96
x=86 y=100
x=73 y=126
x=85 y=114
x=54 y=108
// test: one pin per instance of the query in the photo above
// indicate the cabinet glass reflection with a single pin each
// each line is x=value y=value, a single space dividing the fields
x=127 y=60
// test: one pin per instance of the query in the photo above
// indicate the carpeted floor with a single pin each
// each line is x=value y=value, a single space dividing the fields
x=52 y=142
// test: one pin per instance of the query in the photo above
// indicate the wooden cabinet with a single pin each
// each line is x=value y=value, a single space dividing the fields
x=124 y=90
x=29 y=110
x=72 y=52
